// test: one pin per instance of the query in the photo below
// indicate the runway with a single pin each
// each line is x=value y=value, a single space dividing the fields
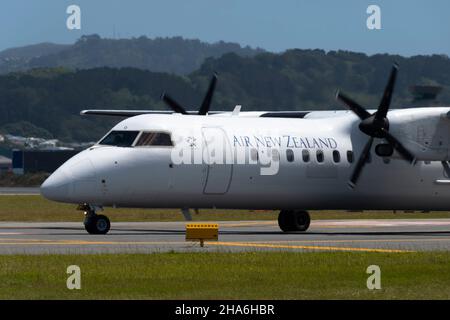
x=392 y=236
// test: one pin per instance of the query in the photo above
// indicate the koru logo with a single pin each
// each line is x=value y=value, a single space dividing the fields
x=374 y=20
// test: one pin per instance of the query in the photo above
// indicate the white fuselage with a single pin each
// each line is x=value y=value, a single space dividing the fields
x=152 y=177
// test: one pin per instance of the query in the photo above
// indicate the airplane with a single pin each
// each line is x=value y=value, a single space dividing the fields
x=292 y=161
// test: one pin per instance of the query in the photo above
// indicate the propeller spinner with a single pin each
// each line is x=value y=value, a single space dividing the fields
x=205 y=106
x=375 y=125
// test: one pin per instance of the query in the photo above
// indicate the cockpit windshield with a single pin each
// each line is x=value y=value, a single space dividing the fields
x=154 y=138
x=119 y=138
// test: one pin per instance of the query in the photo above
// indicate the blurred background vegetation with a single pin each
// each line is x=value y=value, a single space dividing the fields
x=43 y=87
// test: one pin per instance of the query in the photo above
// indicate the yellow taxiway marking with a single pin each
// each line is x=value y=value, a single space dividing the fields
x=280 y=244
x=232 y=244
x=328 y=248
x=238 y=244
x=68 y=241
x=357 y=240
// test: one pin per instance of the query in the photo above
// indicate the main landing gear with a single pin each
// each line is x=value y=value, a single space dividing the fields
x=293 y=220
x=94 y=223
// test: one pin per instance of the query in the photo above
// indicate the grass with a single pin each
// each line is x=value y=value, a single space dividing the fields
x=250 y=275
x=10 y=179
x=36 y=208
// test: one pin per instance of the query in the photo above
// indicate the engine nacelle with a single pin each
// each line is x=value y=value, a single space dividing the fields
x=423 y=131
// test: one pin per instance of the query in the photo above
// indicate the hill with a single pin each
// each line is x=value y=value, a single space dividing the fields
x=15 y=59
x=32 y=51
x=172 y=55
x=308 y=79
x=50 y=99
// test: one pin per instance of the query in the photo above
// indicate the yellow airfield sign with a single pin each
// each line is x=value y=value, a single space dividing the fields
x=202 y=232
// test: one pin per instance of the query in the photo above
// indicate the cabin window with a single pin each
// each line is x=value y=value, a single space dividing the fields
x=336 y=156
x=119 y=138
x=350 y=156
x=290 y=155
x=305 y=155
x=154 y=139
x=319 y=156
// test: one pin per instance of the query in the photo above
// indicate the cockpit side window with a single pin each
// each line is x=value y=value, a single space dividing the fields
x=154 y=138
x=119 y=138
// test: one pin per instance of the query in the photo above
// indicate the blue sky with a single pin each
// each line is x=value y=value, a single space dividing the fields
x=409 y=27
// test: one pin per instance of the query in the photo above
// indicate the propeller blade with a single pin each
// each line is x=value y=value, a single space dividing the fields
x=360 y=164
x=206 y=104
x=387 y=95
x=399 y=147
x=173 y=104
x=446 y=168
x=352 y=105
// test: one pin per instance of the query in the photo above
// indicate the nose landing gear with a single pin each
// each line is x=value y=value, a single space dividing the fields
x=95 y=223
x=294 y=220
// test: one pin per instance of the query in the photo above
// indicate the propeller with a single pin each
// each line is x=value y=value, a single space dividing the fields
x=204 y=107
x=375 y=125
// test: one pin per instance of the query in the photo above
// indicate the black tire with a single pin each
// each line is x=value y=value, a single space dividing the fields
x=97 y=224
x=89 y=223
x=302 y=220
x=293 y=220
x=284 y=220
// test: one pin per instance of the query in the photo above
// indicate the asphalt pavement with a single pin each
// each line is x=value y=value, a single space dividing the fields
x=383 y=235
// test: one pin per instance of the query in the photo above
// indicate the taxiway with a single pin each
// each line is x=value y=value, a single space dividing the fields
x=382 y=235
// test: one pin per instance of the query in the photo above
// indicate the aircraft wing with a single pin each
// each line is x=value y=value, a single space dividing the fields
x=131 y=113
x=263 y=114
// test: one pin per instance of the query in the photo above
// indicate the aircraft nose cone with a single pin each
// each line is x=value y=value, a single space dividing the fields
x=56 y=187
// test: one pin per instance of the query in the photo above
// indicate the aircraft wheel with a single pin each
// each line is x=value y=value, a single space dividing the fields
x=293 y=220
x=97 y=224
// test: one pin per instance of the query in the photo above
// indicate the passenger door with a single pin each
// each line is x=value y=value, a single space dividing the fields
x=217 y=151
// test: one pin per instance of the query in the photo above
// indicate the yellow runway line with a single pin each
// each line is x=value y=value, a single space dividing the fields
x=235 y=244
x=327 y=248
x=287 y=242
x=356 y=240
